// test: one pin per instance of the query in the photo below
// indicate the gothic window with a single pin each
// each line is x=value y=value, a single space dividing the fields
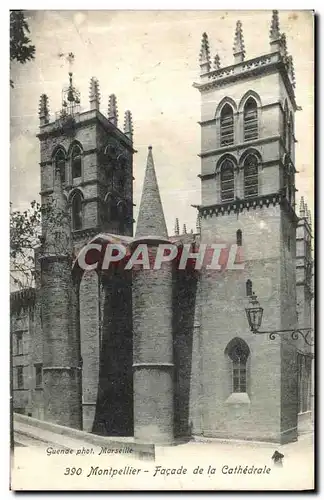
x=251 y=176
x=76 y=162
x=20 y=377
x=77 y=211
x=239 y=238
x=227 y=180
x=60 y=164
x=238 y=353
x=226 y=126
x=19 y=342
x=304 y=367
x=39 y=375
x=250 y=120
x=248 y=288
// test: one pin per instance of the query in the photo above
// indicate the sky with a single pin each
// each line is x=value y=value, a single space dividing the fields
x=149 y=59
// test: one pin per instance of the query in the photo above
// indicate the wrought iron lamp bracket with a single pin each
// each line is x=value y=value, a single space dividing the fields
x=305 y=333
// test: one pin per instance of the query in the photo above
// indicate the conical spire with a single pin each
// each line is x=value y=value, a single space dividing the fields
x=302 y=207
x=112 y=110
x=151 y=220
x=43 y=112
x=128 y=125
x=216 y=62
x=238 y=49
x=204 y=56
x=94 y=94
x=176 y=227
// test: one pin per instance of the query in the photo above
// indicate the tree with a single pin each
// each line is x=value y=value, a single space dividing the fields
x=28 y=234
x=21 y=49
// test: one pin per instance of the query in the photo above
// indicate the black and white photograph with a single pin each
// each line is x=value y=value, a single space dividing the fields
x=162 y=271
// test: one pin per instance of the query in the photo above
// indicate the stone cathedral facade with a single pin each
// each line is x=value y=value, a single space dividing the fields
x=168 y=354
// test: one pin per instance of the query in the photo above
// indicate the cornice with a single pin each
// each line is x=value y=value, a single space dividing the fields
x=239 y=146
x=264 y=64
x=238 y=206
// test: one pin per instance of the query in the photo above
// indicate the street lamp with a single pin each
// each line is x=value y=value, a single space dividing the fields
x=254 y=313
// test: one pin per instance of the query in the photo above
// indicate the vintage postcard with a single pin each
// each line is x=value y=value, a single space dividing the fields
x=161 y=250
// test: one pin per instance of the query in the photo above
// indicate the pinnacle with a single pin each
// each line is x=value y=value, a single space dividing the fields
x=274 y=29
x=151 y=220
x=238 y=48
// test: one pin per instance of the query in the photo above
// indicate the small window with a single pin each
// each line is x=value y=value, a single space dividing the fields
x=238 y=352
x=76 y=162
x=60 y=164
x=226 y=126
x=239 y=238
x=19 y=343
x=39 y=375
x=77 y=211
x=20 y=377
x=251 y=176
x=288 y=243
x=248 y=288
x=227 y=180
x=250 y=120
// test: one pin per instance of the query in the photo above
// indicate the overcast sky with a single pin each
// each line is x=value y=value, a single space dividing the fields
x=149 y=60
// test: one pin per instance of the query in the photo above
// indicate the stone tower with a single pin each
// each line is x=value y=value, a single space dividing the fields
x=248 y=382
x=152 y=323
x=94 y=160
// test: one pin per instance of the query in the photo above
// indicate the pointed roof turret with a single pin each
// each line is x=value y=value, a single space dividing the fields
x=128 y=125
x=216 y=62
x=176 y=227
x=302 y=207
x=112 y=110
x=204 y=56
x=43 y=112
x=151 y=220
x=275 y=36
x=238 y=49
x=94 y=94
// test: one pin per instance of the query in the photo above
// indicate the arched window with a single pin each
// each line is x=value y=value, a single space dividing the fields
x=77 y=211
x=226 y=126
x=238 y=352
x=239 y=238
x=250 y=115
x=227 y=180
x=251 y=176
x=76 y=162
x=248 y=288
x=60 y=164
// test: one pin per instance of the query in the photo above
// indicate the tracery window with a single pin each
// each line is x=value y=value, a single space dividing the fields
x=250 y=116
x=226 y=126
x=227 y=180
x=76 y=160
x=251 y=176
x=60 y=164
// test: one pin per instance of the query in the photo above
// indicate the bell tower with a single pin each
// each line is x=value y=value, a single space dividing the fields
x=95 y=158
x=249 y=383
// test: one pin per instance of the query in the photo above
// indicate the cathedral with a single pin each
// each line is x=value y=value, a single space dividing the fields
x=168 y=354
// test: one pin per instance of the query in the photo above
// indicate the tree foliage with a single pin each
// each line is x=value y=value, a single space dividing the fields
x=21 y=49
x=28 y=233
